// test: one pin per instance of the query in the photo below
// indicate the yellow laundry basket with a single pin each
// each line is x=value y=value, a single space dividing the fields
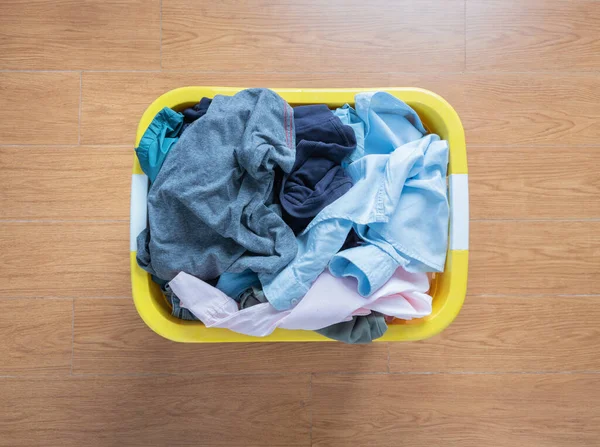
x=448 y=289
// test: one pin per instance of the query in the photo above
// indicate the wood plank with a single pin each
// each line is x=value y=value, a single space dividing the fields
x=197 y=410
x=76 y=34
x=39 y=108
x=36 y=336
x=534 y=182
x=313 y=36
x=510 y=334
x=553 y=35
x=535 y=257
x=532 y=109
x=116 y=101
x=64 y=259
x=73 y=183
x=536 y=410
x=111 y=338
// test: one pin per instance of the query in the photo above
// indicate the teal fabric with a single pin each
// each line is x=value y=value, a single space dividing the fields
x=234 y=284
x=359 y=330
x=161 y=135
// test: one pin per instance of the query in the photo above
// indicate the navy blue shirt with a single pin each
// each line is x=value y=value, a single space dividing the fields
x=317 y=178
x=196 y=112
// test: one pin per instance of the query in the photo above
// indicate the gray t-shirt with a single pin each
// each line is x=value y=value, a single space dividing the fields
x=210 y=208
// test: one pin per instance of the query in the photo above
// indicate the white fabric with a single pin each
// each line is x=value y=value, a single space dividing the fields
x=330 y=300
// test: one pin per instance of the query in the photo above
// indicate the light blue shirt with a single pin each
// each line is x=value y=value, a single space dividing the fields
x=349 y=117
x=398 y=205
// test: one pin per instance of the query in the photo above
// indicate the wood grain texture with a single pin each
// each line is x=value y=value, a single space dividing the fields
x=64 y=259
x=519 y=366
x=537 y=410
x=510 y=334
x=75 y=34
x=111 y=338
x=140 y=411
x=532 y=109
x=35 y=336
x=72 y=183
x=39 y=108
x=534 y=182
x=312 y=36
x=116 y=101
x=533 y=35
x=536 y=257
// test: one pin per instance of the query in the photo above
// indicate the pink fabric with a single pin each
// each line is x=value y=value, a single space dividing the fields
x=330 y=300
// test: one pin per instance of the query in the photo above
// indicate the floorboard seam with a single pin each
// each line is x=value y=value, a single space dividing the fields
x=388 y=358
x=72 y=335
x=160 y=35
x=80 y=107
x=310 y=413
x=272 y=72
x=465 y=33
x=201 y=374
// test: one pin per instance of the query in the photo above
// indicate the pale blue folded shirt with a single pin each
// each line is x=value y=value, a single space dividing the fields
x=398 y=206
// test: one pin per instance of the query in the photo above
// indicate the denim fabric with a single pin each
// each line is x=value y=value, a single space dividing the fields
x=143 y=254
x=317 y=178
x=252 y=297
x=234 y=284
x=360 y=330
x=194 y=113
x=398 y=206
x=176 y=309
x=161 y=135
x=210 y=210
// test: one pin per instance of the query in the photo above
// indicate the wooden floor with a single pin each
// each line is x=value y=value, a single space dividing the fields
x=519 y=367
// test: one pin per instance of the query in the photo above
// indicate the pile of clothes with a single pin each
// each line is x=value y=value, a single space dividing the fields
x=264 y=216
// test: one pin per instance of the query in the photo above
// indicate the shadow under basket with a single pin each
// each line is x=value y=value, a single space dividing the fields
x=448 y=289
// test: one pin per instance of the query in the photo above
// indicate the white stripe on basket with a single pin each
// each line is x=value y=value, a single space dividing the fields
x=139 y=207
x=459 y=211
